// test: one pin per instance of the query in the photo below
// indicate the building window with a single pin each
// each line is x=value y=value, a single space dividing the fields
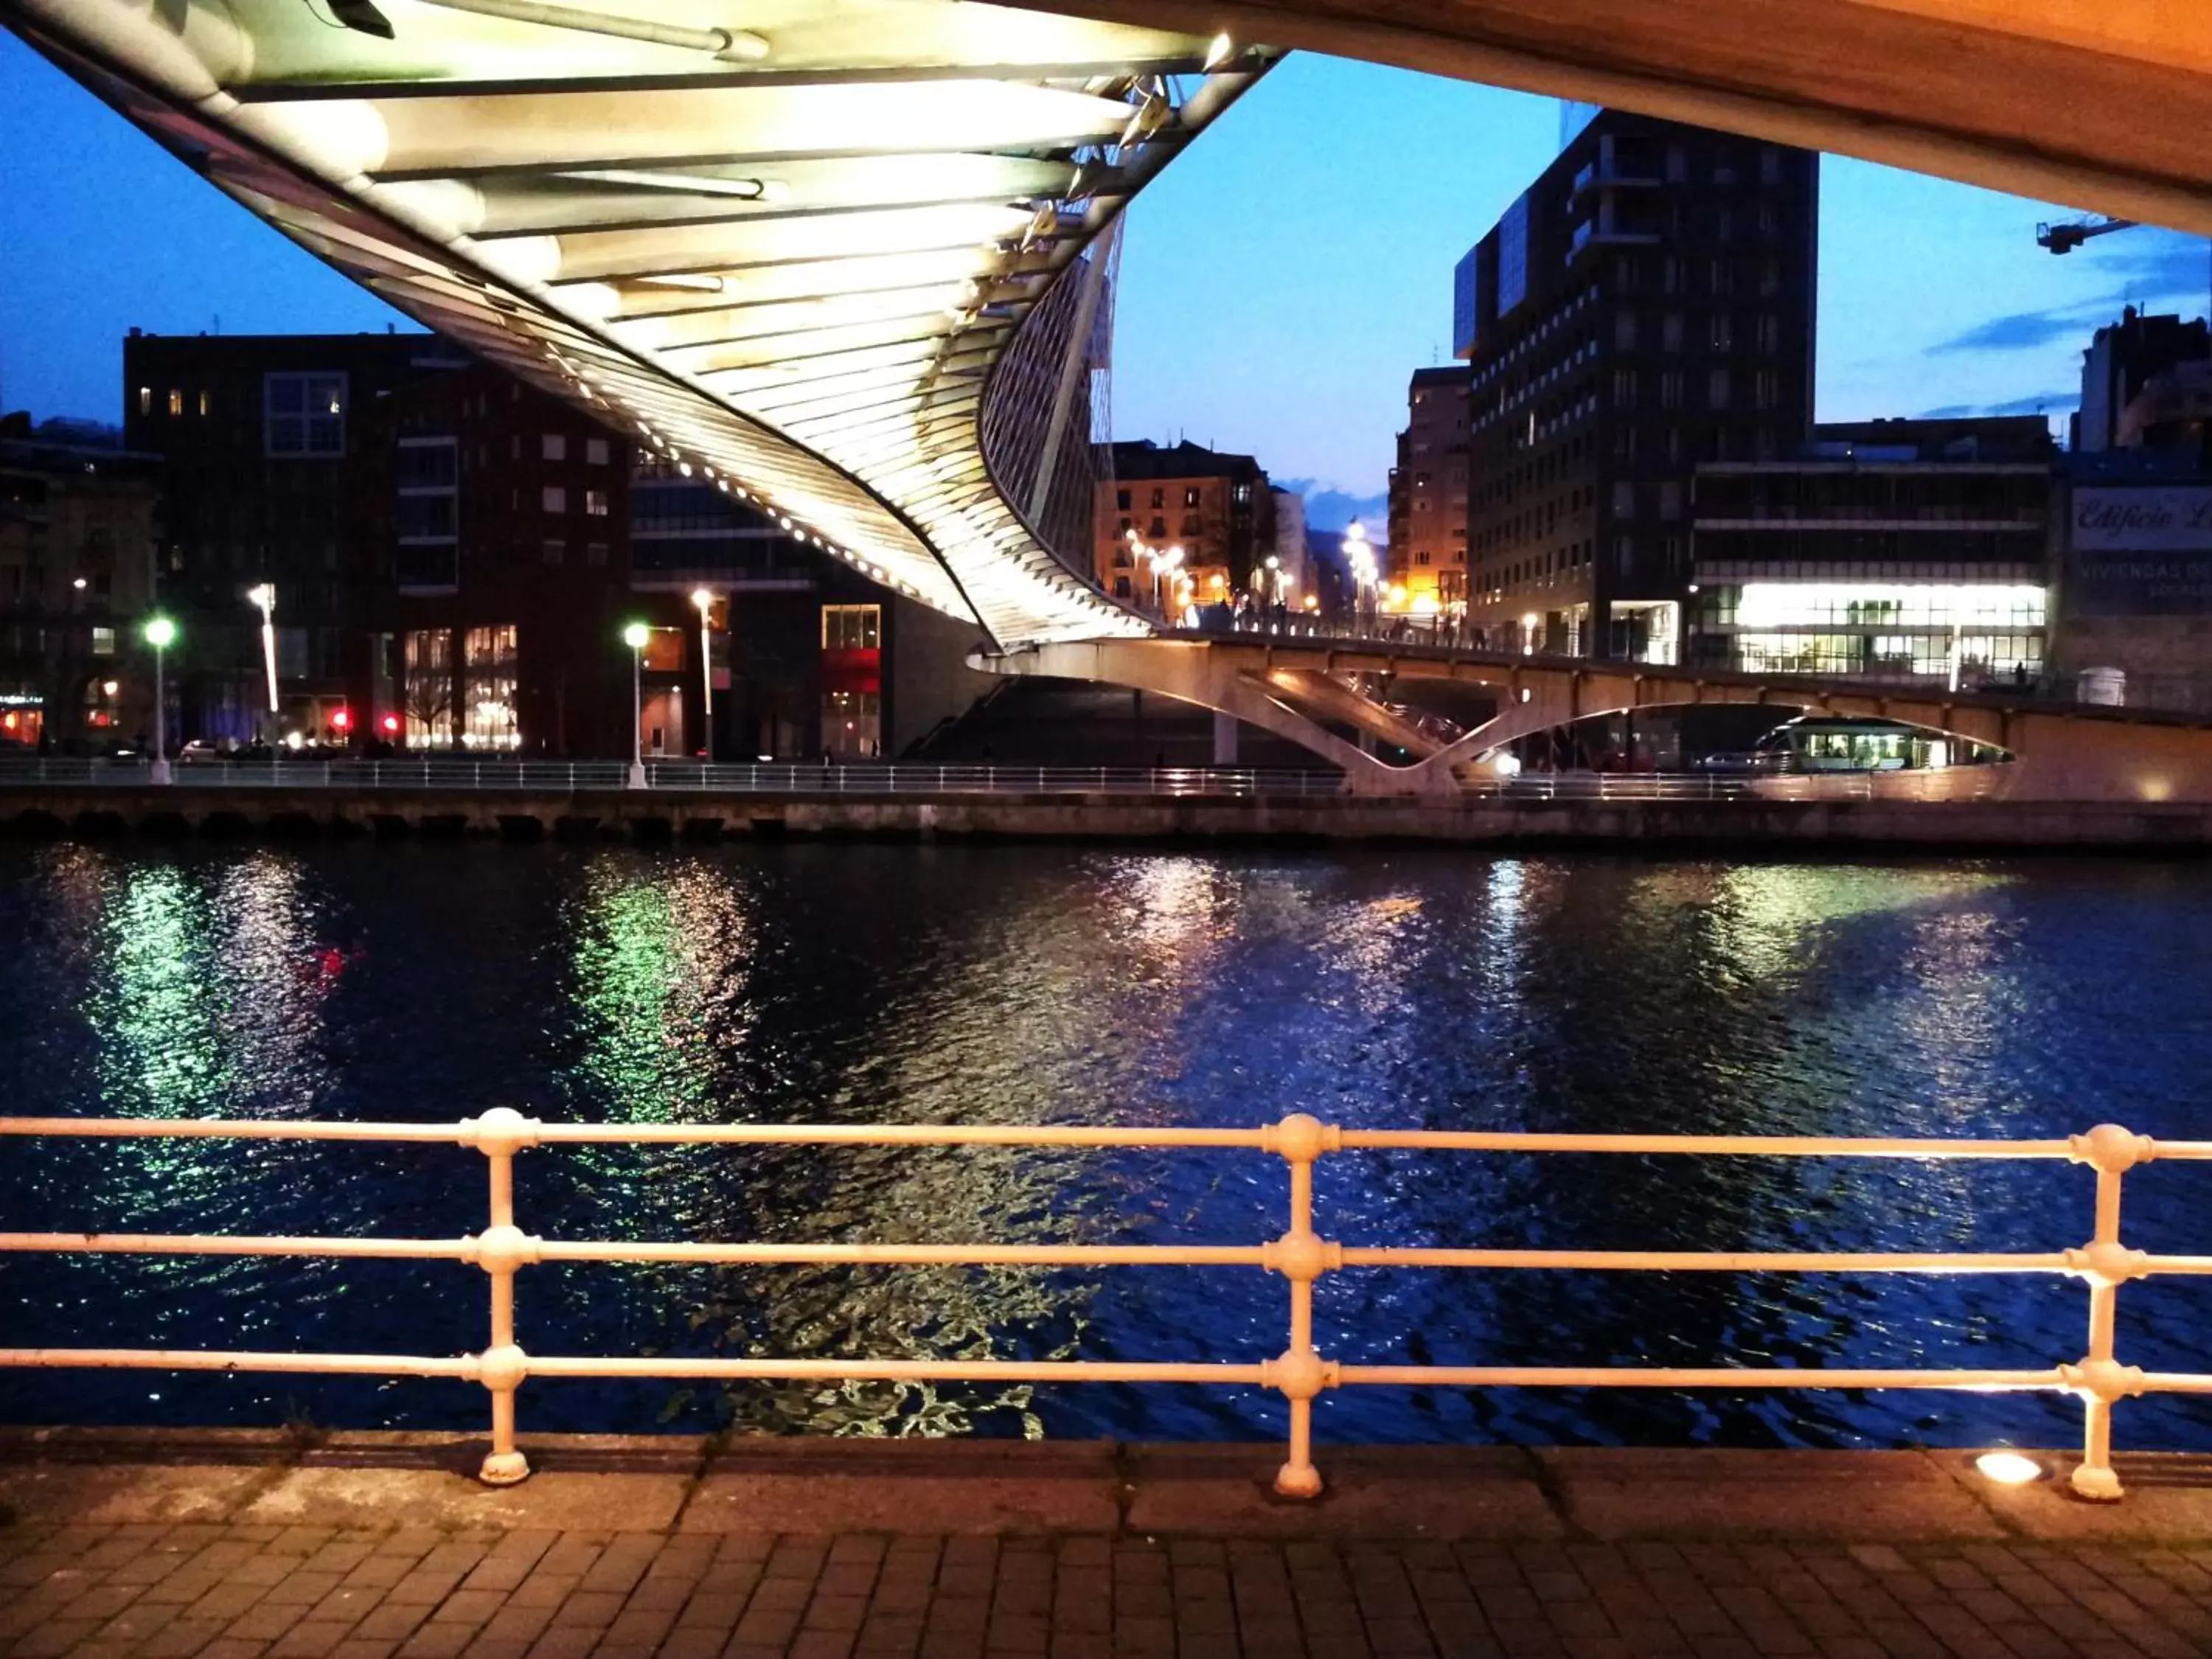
x=552 y=446
x=1767 y=389
x=145 y=400
x=595 y=451
x=103 y=641
x=1623 y=330
x=1421 y=555
x=203 y=405
x=851 y=626
x=557 y=551
x=426 y=694
x=1624 y=388
x=1670 y=331
x=1190 y=523
x=176 y=401
x=488 y=717
x=1717 y=389
x=595 y=503
x=553 y=499
x=1190 y=495
x=303 y=415
x=1624 y=499
x=1159 y=526
x=1670 y=389
x=1670 y=499
x=1723 y=334
x=1122 y=501
x=595 y=553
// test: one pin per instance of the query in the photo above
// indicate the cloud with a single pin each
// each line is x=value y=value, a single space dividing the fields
x=2155 y=266
x=1330 y=509
x=2022 y=330
x=2042 y=403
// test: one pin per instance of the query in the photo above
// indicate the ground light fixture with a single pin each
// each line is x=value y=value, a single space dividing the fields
x=2008 y=1468
x=635 y=635
x=160 y=634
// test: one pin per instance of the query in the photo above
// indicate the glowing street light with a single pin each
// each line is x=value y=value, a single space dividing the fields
x=265 y=597
x=634 y=636
x=160 y=634
x=705 y=601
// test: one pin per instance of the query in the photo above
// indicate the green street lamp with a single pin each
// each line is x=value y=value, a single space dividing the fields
x=634 y=636
x=160 y=634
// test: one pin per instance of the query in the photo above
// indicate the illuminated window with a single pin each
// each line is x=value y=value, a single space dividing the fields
x=595 y=451
x=488 y=714
x=145 y=400
x=427 y=691
x=553 y=499
x=204 y=404
x=103 y=641
x=176 y=401
x=851 y=626
x=552 y=446
x=303 y=415
x=595 y=503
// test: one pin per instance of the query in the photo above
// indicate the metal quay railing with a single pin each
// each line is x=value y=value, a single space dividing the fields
x=1300 y=1255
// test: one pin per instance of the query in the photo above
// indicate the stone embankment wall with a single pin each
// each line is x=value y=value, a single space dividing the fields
x=586 y=814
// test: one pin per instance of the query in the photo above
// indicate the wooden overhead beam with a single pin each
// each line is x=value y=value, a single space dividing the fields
x=2102 y=105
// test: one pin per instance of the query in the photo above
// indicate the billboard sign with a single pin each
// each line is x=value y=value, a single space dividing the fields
x=2141 y=551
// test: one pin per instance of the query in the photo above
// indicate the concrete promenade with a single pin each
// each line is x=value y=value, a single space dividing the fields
x=237 y=1545
x=700 y=815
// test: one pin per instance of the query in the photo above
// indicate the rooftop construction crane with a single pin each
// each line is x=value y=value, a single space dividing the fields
x=2064 y=239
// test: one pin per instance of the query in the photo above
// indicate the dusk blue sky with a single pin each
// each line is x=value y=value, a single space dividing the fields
x=1279 y=283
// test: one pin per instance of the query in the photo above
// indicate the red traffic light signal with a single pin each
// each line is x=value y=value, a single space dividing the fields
x=391 y=725
x=342 y=721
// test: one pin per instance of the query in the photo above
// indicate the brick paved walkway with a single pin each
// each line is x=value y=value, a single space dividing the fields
x=202 y=1591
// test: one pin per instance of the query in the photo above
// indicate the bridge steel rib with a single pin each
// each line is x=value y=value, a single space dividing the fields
x=793 y=262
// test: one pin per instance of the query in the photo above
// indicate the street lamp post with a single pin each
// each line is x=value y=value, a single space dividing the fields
x=264 y=595
x=705 y=601
x=634 y=636
x=160 y=632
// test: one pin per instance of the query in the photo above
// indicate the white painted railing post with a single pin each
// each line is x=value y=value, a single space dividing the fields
x=500 y=1249
x=1301 y=1255
x=2106 y=1264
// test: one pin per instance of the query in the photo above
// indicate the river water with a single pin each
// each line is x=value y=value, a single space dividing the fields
x=886 y=984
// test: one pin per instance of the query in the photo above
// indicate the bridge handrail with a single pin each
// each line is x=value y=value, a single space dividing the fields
x=1300 y=1254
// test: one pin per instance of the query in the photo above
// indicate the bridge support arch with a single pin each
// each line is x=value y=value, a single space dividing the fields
x=1299 y=690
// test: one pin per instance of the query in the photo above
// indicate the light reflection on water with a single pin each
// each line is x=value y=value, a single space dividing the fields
x=902 y=984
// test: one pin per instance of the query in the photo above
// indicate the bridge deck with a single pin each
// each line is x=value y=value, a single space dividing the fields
x=213 y=1546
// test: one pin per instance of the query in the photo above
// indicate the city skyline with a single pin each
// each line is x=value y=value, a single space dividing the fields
x=1934 y=298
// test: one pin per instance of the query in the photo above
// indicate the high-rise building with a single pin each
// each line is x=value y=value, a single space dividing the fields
x=502 y=542
x=1429 y=497
x=255 y=434
x=1645 y=306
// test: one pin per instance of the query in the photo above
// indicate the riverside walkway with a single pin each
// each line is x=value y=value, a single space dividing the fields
x=242 y=1546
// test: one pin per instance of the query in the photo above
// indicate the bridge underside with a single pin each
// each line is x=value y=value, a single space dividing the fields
x=1450 y=711
x=2101 y=105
